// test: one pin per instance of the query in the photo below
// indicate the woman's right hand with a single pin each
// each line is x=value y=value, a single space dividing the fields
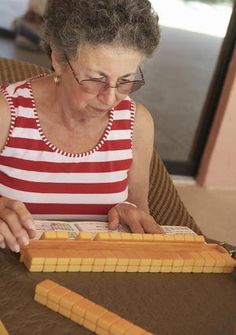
x=16 y=224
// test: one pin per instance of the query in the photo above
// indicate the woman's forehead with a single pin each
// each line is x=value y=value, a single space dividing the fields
x=105 y=57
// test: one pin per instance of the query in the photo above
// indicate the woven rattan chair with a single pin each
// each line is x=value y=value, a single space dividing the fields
x=164 y=202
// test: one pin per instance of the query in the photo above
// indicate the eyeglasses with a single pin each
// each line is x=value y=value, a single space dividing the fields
x=96 y=86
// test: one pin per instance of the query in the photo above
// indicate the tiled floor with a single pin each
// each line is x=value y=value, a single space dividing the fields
x=213 y=210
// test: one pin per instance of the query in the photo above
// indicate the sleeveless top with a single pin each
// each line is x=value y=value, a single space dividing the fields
x=54 y=184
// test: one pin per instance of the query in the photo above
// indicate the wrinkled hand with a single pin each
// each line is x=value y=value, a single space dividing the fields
x=16 y=224
x=137 y=220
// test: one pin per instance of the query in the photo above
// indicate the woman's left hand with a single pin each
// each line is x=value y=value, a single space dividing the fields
x=136 y=219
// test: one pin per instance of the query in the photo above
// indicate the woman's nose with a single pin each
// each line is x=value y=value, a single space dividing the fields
x=108 y=96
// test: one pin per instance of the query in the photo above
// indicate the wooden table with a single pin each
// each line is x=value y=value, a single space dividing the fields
x=163 y=303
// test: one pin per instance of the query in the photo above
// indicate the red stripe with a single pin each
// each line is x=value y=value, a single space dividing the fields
x=91 y=167
x=24 y=122
x=22 y=101
x=120 y=125
x=63 y=188
x=64 y=209
x=25 y=143
x=124 y=104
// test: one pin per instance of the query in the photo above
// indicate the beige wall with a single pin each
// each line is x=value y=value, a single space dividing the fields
x=218 y=166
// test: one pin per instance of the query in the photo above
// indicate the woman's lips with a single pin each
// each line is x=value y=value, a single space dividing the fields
x=100 y=110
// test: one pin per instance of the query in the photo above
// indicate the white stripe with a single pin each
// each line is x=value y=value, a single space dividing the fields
x=122 y=115
x=44 y=156
x=66 y=198
x=25 y=112
x=32 y=134
x=20 y=92
x=12 y=87
x=119 y=134
x=98 y=177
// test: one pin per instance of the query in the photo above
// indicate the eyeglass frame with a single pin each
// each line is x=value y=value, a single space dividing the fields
x=107 y=85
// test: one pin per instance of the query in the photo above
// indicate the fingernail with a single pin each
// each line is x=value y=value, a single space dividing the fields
x=16 y=248
x=30 y=224
x=25 y=240
x=2 y=245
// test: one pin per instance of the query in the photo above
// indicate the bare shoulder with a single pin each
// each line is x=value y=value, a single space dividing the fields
x=143 y=125
x=5 y=119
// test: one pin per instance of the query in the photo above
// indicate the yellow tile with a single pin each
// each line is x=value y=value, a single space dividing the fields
x=144 y=268
x=64 y=311
x=63 y=261
x=50 y=261
x=166 y=268
x=3 y=330
x=49 y=268
x=36 y=268
x=111 y=268
x=179 y=237
x=158 y=237
x=62 y=235
x=48 y=235
x=107 y=320
x=73 y=268
x=84 y=236
x=94 y=312
x=70 y=299
x=148 y=237
x=86 y=268
x=57 y=293
x=126 y=236
x=77 y=318
x=207 y=269
x=75 y=261
x=61 y=268
x=45 y=286
x=199 y=238
x=187 y=268
x=169 y=237
x=115 y=236
x=197 y=269
x=132 y=268
x=156 y=262
x=120 y=327
x=89 y=325
x=155 y=268
x=176 y=269
x=52 y=305
x=101 y=331
x=41 y=299
x=99 y=261
x=87 y=261
x=121 y=268
x=98 y=268
x=102 y=236
x=137 y=237
x=135 y=330
x=189 y=237
x=81 y=306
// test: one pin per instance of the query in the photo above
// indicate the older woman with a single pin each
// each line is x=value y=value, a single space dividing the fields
x=73 y=144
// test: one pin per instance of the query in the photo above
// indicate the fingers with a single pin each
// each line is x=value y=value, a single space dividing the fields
x=2 y=243
x=137 y=220
x=9 y=238
x=16 y=224
x=113 y=218
x=150 y=225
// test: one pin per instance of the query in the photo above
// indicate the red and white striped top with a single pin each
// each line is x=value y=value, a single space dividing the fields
x=55 y=184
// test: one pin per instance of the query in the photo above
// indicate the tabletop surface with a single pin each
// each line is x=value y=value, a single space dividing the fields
x=162 y=303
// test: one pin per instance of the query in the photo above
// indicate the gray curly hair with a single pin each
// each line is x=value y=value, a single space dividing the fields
x=129 y=23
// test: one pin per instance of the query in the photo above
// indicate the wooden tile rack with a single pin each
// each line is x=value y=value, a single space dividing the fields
x=123 y=252
x=83 y=311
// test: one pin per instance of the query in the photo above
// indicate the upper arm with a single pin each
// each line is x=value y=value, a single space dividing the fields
x=5 y=120
x=143 y=138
